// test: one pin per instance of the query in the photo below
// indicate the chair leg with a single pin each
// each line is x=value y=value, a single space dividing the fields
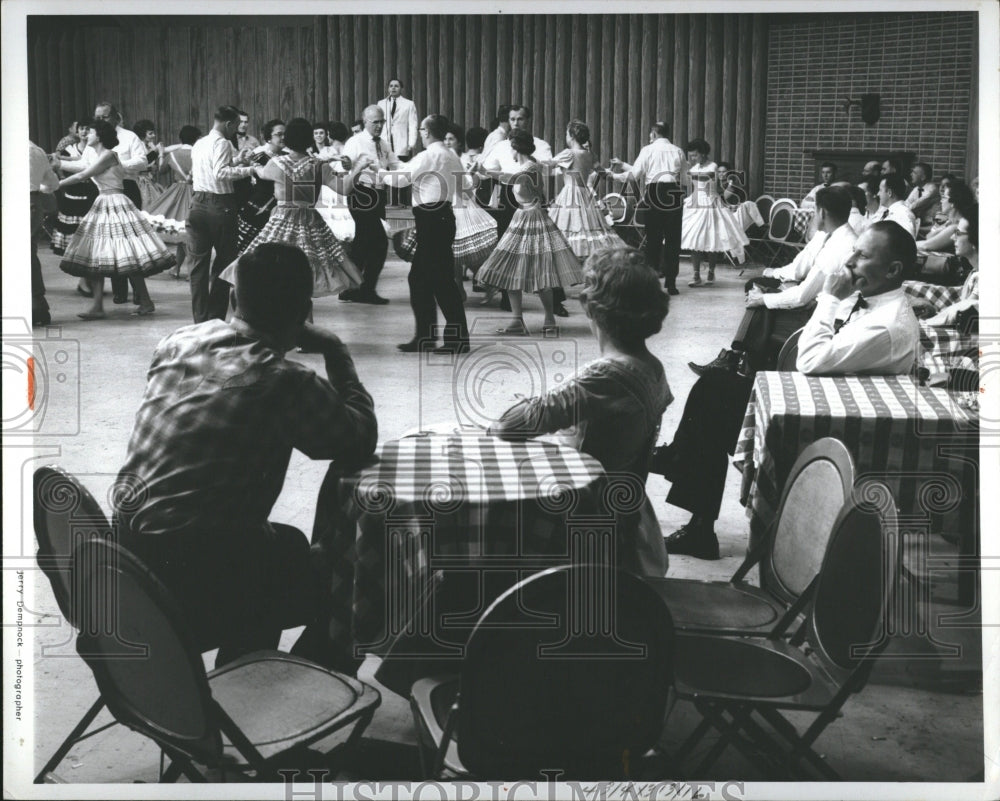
x=802 y=748
x=180 y=764
x=71 y=740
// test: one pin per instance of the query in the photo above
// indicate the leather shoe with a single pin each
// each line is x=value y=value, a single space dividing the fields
x=348 y=295
x=415 y=345
x=688 y=540
x=560 y=311
x=370 y=297
x=726 y=360
x=120 y=299
x=672 y=290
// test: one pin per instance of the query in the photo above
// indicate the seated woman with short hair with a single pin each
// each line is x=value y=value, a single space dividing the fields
x=612 y=408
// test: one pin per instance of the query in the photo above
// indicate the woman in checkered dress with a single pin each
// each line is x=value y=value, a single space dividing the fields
x=298 y=178
x=533 y=255
x=113 y=239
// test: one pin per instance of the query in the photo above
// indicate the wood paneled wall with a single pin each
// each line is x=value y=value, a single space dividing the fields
x=705 y=74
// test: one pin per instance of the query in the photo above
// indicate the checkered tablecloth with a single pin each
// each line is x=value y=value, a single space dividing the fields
x=936 y=295
x=802 y=218
x=946 y=349
x=436 y=501
x=917 y=440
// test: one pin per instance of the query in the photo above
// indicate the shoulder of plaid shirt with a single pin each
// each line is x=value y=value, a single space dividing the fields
x=880 y=339
x=218 y=396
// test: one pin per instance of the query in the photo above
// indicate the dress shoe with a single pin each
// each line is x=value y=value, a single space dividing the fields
x=415 y=345
x=560 y=311
x=699 y=542
x=120 y=299
x=672 y=290
x=348 y=295
x=726 y=360
x=370 y=298
x=41 y=319
x=452 y=348
x=142 y=311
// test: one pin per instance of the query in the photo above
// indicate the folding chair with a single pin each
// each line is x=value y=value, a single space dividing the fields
x=627 y=218
x=570 y=669
x=815 y=493
x=789 y=353
x=266 y=705
x=740 y=685
x=759 y=239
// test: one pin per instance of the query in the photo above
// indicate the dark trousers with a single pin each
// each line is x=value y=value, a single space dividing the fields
x=432 y=275
x=211 y=223
x=763 y=331
x=706 y=435
x=367 y=207
x=119 y=283
x=664 y=215
x=39 y=306
x=238 y=590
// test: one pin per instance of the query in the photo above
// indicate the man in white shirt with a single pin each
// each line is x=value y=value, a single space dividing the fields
x=879 y=334
x=880 y=339
x=771 y=315
x=212 y=221
x=828 y=172
x=400 y=130
x=659 y=168
x=923 y=200
x=432 y=174
x=501 y=127
x=245 y=140
x=892 y=196
x=367 y=206
x=43 y=182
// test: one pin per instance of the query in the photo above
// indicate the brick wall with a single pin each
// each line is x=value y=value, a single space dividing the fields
x=920 y=64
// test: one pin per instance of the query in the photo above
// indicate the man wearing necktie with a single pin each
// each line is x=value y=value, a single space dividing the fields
x=880 y=336
x=400 y=131
x=367 y=206
x=923 y=199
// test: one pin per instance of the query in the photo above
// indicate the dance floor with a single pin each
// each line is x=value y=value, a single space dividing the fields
x=919 y=719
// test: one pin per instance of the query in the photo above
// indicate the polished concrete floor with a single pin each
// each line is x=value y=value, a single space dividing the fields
x=920 y=719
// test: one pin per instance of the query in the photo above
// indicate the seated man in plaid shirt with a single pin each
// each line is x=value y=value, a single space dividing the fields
x=222 y=411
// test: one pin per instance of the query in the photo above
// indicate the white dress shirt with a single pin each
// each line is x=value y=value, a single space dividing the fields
x=432 y=172
x=131 y=153
x=502 y=157
x=798 y=268
x=810 y=199
x=496 y=136
x=383 y=158
x=882 y=339
x=661 y=160
x=40 y=171
x=400 y=129
x=857 y=221
x=927 y=197
x=899 y=213
x=212 y=167
x=87 y=157
x=828 y=259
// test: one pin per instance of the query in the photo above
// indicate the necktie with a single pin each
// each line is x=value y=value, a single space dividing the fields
x=392 y=111
x=884 y=215
x=392 y=114
x=861 y=303
x=920 y=191
x=378 y=149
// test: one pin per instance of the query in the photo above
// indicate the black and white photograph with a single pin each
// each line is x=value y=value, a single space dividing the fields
x=627 y=435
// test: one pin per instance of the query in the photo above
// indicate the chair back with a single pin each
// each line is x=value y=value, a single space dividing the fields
x=147 y=667
x=782 y=203
x=847 y=624
x=781 y=223
x=789 y=353
x=764 y=203
x=617 y=206
x=818 y=487
x=65 y=514
x=569 y=669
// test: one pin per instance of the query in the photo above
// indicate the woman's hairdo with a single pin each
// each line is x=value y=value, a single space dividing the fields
x=143 y=127
x=339 y=132
x=578 y=130
x=268 y=129
x=299 y=135
x=106 y=133
x=522 y=142
x=698 y=146
x=623 y=296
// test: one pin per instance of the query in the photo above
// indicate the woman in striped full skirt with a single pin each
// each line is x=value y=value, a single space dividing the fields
x=533 y=255
x=113 y=239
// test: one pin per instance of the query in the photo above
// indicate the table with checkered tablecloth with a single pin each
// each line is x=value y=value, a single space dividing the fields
x=920 y=441
x=439 y=501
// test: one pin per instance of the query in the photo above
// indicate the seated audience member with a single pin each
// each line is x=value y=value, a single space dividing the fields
x=946 y=306
x=873 y=207
x=892 y=197
x=612 y=408
x=776 y=314
x=872 y=169
x=222 y=412
x=956 y=200
x=891 y=167
x=357 y=127
x=923 y=199
x=828 y=172
x=859 y=206
x=879 y=336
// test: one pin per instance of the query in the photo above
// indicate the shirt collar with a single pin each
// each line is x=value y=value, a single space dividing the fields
x=884 y=298
x=244 y=329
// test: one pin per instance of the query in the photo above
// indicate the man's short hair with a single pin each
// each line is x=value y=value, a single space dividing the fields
x=476 y=137
x=836 y=202
x=660 y=128
x=358 y=123
x=928 y=173
x=896 y=184
x=244 y=114
x=274 y=285
x=397 y=80
x=437 y=125
x=900 y=244
x=828 y=165
x=525 y=109
x=227 y=114
x=189 y=135
x=896 y=164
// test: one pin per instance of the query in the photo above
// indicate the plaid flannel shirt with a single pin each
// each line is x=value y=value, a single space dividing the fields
x=222 y=411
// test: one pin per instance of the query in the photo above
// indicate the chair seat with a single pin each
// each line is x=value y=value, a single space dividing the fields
x=717 y=606
x=749 y=670
x=431 y=700
x=279 y=701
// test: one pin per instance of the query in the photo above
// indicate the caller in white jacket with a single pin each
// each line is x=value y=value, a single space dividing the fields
x=401 y=121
